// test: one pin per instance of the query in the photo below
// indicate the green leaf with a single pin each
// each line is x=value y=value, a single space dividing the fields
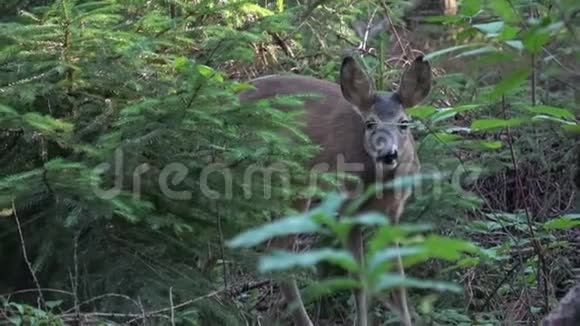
x=367 y=219
x=505 y=10
x=486 y=124
x=508 y=32
x=16 y=320
x=444 y=137
x=53 y=304
x=251 y=8
x=445 y=113
x=563 y=223
x=392 y=281
x=470 y=7
x=447 y=248
x=6 y=110
x=534 y=39
x=441 y=52
x=47 y=123
x=509 y=83
x=421 y=112
x=484 y=144
x=388 y=234
x=554 y=119
x=238 y=87
x=516 y=44
x=182 y=64
x=381 y=259
x=483 y=50
x=284 y=260
x=285 y=226
x=209 y=73
x=572 y=128
x=553 y=111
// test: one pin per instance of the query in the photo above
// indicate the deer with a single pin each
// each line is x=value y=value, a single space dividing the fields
x=351 y=120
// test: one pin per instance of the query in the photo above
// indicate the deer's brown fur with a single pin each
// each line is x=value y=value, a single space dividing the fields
x=354 y=124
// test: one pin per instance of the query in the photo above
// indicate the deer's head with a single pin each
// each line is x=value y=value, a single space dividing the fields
x=387 y=138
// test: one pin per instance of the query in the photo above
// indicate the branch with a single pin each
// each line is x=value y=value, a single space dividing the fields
x=25 y=255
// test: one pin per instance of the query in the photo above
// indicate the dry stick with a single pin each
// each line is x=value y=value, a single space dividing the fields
x=25 y=254
x=246 y=287
x=393 y=29
x=520 y=191
x=222 y=250
x=107 y=295
x=537 y=245
x=76 y=274
x=36 y=290
x=305 y=16
x=172 y=309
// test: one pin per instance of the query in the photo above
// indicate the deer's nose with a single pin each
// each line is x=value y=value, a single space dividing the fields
x=389 y=157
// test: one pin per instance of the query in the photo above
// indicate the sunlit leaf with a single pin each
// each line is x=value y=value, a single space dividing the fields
x=572 y=128
x=516 y=44
x=421 y=112
x=445 y=113
x=285 y=226
x=553 y=119
x=490 y=28
x=210 y=73
x=553 y=111
x=563 y=223
x=484 y=144
x=238 y=87
x=482 y=50
x=485 y=124
x=505 y=10
x=508 y=32
x=436 y=54
x=534 y=39
x=283 y=260
x=445 y=137
x=470 y=7
x=447 y=248
x=182 y=64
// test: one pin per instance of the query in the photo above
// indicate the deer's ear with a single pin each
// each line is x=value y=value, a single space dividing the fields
x=415 y=83
x=356 y=86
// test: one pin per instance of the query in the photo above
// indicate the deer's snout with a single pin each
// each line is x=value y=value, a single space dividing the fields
x=389 y=157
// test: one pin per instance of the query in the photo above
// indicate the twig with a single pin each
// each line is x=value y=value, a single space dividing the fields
x=76 y=274
x=520 y=192
x=499 y=285
x=25 y=255
x=393 y=29
x=232 y=291
x=107 y=295
x=35 y=290
x=222 y=250
x=171 y=303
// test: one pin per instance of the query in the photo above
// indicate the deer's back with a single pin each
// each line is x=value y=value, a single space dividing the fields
x=330 y=120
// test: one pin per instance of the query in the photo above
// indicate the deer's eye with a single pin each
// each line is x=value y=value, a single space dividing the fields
x=404 y=124
x=369 y=124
